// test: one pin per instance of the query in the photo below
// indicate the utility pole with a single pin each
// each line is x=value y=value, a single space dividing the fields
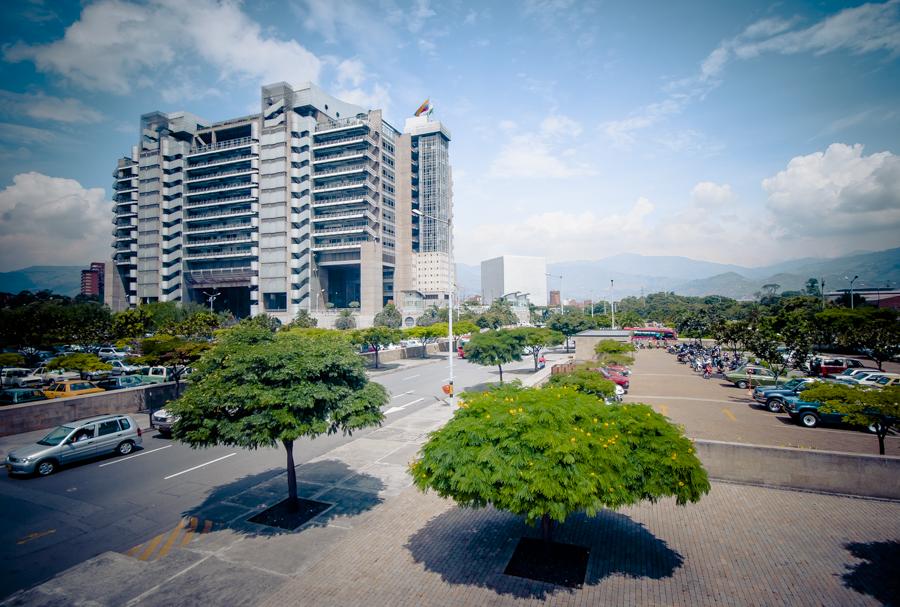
x=823 y=292
x=612 y=302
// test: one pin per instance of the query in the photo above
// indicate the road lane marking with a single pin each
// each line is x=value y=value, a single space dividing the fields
x=729 y=415
x=116 y=461
x=33 y=536
x=219 y=459
x=404 y=394
x=402 y=407
x=410 y=377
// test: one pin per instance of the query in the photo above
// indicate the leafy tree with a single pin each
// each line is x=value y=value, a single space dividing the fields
x=875 y=409
x=535 y=340
x=612 y=352
x=389 y=317
x=812 y=288
x=547 y=453
x=345 y=321
x=376 y=338
x=78 y=361
x=493 y=348
x=499 y=314
x=877 y=332
x=731 y=334
x=176 y=353
x=569 y=324
x=200 y=324
x=11 y=359
x=303 y=320
x=464 y=327
x=428 y=334
x=256 y=389
x=133 y=322
x=629 y=318
x=431 y=316
x=764 y=342
x=584 y=380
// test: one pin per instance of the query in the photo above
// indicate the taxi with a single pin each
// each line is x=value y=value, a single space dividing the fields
x=72 y=387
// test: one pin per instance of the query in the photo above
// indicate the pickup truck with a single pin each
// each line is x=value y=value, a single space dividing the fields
x=773 y=397
x=158 y=375
x=46 y=376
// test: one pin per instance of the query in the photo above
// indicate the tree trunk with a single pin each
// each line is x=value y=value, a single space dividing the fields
x=882 y=432
x=546 y=528
x=567 y=344
x=292 y=474
x=376 y=356
x=501 y=372
x=536 y=355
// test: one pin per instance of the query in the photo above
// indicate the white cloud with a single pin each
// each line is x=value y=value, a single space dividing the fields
x=546 y=153
x=351 y=71
x=46 y=107
x=560 y=126
x=20 y=134
x=117 y=43
x=50 y=220
x=840 y=192
x=377 y=98
x=710 y=195
x=863 y=29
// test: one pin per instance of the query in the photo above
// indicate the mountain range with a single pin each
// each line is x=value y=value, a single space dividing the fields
x=633 y=275
x=636 y=274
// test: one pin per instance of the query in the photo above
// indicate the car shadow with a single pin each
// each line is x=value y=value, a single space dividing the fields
x=876 y=573
x=474 y=549
x=345 y=491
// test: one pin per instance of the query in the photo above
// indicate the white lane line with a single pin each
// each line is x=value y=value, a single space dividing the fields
x=165 y=478
x=410 y=377
x=404 y=394
x=402 y=407
x=116 y=461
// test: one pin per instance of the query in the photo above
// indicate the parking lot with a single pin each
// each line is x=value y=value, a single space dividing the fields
x=716 y=410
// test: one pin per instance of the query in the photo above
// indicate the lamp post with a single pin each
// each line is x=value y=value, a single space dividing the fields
x=450 y=351
x=852 y=280
x=612 y=303
x=211 y=297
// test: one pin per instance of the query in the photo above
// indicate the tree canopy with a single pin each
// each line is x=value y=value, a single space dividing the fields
x=389 y=317
x=499 y=314
x=876 y=409
x=535 y=340
x=494 y=348
x=78 y=361
x=547 y=453
x=376 y=338
x=570 y=323
x=585 y=380
x=257 y=389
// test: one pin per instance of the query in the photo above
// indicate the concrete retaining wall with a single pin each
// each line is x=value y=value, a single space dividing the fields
x=828 y=471
x=387 y=356
x=44 y=414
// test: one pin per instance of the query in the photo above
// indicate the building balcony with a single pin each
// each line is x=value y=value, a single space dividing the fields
x=346 y=170
x=220 y=174
x=341 y=124
x=342 y=215
x=335 y=186
x=214 y=242
x=343 y=243
x=220 y=277
x=222 y=145
x=220 y=227
x=362 y=138
x=217 y=214
x=231 y=160
x=222 y=187
x=344 y=156
x=229 y=253
x=221 y=201
x=361 y=198
x=337 y=230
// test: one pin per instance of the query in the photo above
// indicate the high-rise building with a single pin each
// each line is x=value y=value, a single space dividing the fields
x=92 y=280
x=508 y=274
x=306 y=205
x=554 y=299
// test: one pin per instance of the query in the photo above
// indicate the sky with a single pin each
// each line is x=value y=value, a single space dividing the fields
x=736 y=132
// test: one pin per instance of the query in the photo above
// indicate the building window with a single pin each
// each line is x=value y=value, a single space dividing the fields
x=275 y=301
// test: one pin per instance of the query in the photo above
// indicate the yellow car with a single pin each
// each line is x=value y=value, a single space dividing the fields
x=72 y=387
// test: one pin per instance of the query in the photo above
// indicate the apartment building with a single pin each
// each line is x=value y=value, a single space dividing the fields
x=299 y=207
x=92 y=280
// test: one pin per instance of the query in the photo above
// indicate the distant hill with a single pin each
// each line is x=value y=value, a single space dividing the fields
x=65 y=280
x=636 y=274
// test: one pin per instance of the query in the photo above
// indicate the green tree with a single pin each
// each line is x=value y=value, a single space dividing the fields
x=428 y=334
x=200 y=324
x=629 y=318
x=812 y=288
x=256 y=389
x=11 y=359
x=376 y=338
x=879 y=410
x=585 y=380
x=345 y=320
x=389 y=317
x=612 y=352
x=547 y=453
x=499 y=314
x=78 y=361
x=878 y=334
x=569 y=324
x=176 y=353
x=464 y=327
x=131 y=323
x=303 y=320
x=535 y=340
x=731 y=334
x=431 y=316
x=765 y=343
x=493 y=348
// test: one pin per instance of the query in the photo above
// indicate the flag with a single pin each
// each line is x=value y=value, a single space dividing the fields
x=425 y=108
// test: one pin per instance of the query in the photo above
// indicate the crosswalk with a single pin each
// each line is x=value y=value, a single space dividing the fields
x=184 y=532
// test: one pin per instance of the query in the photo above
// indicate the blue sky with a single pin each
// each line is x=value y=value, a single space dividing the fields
x=737 y=132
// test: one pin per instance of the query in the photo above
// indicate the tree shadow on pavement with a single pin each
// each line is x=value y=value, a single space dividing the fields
x=348 y=492
x=473 y=548
x=876 y=575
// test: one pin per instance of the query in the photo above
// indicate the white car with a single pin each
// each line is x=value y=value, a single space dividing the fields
x=122 y=368
x=110 y=353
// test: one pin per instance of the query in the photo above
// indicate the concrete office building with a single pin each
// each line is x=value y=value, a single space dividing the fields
x=92 y=280
x=295 y=208
x=514 y=274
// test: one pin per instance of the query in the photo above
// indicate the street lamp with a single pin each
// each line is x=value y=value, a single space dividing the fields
x=450 y=352
x=612 y=303
x=852 y=280
x=211 y=297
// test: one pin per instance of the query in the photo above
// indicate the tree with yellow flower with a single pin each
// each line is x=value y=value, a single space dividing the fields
x=544 y=453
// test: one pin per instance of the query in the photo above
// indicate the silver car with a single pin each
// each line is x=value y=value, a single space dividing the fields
x=76 y=441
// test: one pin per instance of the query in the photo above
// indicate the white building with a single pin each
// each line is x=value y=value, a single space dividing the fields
x=514 y=273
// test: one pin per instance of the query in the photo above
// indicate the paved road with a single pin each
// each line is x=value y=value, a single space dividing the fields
x=715 y=409
x=50 y=524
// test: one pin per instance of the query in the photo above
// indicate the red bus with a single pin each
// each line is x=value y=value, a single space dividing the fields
x=651 y=333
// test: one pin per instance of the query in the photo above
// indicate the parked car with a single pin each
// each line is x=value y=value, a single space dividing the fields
x=111 y=353
x=11 y=377
x=620 y=369
x=888 y=379
x=48 y=376
x=826 y=366
x=868 y=380
x=71 y=387
x=158 y=375
x=614 y=377
x=17 y=396
x=749 y=375
x=119 y=382
x=853 y=372
x=809 y=414
x=773 y=397
x=76 y=441
x=120 y=367
x=163 y=421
